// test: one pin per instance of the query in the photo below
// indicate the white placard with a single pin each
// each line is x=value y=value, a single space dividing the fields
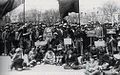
x=111 y=31
x=91 y=33
x=48 y=29
x=117 y=56
x=67 y=41
x=40 y=43
x=119 y=43
x=99 y=43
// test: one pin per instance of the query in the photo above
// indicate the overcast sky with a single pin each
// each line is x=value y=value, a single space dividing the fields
x=53 y=4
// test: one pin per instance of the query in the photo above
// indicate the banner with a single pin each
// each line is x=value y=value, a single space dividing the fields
x=66 y=6
x=8 y=5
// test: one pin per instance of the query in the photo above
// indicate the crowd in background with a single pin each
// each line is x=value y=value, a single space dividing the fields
x=18 y=40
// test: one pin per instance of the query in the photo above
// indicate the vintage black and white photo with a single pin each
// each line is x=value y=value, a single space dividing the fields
x=59 y=37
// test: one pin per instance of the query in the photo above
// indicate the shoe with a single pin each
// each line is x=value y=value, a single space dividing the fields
x=20 y=69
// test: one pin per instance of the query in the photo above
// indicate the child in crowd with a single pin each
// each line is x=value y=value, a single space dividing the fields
x=59 y=54
x=31 y=56
x=94 y=51
x=26 y=59
x=12 y=52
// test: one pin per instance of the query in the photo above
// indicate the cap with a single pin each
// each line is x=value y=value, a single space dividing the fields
x=94 y=56
x=56 y=33
x=18 y=50
x=6 y=27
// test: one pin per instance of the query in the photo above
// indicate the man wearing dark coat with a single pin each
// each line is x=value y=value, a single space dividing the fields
x=1 y=42
x=6 y=40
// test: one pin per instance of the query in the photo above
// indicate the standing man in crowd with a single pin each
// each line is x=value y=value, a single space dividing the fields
x=6 y=40
x=1 y=42
x=98 y=30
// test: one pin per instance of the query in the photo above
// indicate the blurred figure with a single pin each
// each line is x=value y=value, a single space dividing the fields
x=6 y=40
x=32 y=55
x=1 y=42
x=12 y=52
x=17 y=60
x=92 y=67
x=49 y=57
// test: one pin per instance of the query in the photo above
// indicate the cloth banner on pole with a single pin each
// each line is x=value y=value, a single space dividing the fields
x=9 y=5
x=68 y=6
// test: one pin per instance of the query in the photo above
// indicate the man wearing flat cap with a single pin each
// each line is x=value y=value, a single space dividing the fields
x=6 y=40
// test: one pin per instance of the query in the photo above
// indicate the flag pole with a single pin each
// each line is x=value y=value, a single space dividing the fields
x=79 y=18
x=24 y=12
x=79 y=15
x=81 y=40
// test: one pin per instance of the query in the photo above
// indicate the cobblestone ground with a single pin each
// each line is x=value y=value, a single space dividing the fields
x=37 y=70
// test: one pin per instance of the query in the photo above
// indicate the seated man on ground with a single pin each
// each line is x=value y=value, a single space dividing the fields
x=109 y=65
x=17 y=60
x=71 y=60
x=40 y=55
x=49 y=57
x=92 y=67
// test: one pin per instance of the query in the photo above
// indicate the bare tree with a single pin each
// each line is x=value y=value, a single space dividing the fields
x=73 y=18
x=91 y=16
x=50 y=17
x=109 y=9
x=31 y=16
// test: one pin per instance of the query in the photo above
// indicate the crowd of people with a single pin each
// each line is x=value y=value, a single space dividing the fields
x=92 y=46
